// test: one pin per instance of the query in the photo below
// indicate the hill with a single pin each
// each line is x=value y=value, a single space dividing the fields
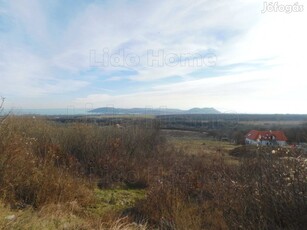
x=149 y=111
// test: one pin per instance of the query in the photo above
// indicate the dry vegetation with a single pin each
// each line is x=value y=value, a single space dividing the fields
x=82 y=176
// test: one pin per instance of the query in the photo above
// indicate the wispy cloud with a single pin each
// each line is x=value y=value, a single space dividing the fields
x=47 y=49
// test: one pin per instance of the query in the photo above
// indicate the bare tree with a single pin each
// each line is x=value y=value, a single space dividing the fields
x=2 y=102
x=2 y=117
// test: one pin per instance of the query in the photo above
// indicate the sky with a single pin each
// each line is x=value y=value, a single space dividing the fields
x=236 y=56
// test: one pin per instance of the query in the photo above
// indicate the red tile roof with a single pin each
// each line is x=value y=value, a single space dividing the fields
x=266 y=135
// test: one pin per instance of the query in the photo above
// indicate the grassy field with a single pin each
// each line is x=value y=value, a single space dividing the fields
x=198 y=144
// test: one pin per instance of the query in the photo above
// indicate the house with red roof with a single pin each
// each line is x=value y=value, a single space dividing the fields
x=266 y=138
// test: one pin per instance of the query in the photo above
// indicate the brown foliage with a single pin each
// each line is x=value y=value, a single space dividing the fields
x=46 y=163
x=266 y=192
x=28 y=178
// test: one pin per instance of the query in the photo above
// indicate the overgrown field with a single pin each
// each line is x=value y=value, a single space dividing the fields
x=85 y=176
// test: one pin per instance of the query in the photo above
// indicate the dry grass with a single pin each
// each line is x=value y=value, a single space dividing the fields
x=60 y=217
x=28 y=178
x=261 y=193
x=196 y=144
x=49 y=173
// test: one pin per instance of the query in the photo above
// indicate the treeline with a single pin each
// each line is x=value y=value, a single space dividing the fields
x=232 y=127
x=237 y=116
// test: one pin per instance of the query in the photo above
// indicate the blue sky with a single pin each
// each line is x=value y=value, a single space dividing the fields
x=176 y=54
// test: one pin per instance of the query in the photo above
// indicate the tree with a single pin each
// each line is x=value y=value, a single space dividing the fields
x=2 y=117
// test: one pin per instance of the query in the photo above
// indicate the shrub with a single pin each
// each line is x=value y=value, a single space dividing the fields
x=28 y=178
x=263 y=192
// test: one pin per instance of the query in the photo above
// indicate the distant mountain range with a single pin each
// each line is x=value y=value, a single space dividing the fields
x=148 y=111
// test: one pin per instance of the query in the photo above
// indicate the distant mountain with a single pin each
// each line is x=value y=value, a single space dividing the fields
x=159 y=111
x=203 y=111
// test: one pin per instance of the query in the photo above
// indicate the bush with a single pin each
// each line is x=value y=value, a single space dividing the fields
x=264 y=192
x=43 y=162
x=28 y=177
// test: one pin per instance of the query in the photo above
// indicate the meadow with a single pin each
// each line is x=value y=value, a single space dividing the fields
x=81 y=175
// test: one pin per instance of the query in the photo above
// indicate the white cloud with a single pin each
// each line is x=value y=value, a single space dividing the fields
x=254 y=92
x=267 y=51
x=28 y=75
x=172 y=26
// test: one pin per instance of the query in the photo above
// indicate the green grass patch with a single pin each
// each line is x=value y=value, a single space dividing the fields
x=115 y=200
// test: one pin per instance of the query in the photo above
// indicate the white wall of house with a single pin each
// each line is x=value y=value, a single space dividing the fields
x=267 y=143
x=282 y=143
x=263 y=142
x=250 y=142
